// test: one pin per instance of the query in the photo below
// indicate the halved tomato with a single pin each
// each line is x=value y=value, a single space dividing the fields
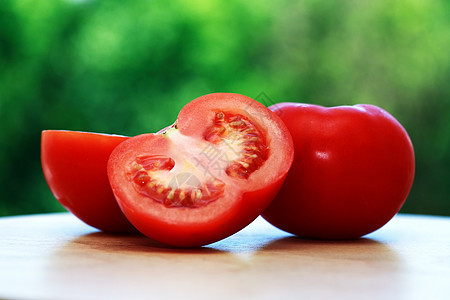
x=207 y=176
x=74 y=165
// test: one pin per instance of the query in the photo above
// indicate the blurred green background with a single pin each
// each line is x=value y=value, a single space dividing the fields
x=128 y=67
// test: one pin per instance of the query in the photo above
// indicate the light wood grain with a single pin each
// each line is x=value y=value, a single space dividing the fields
x=55 y=256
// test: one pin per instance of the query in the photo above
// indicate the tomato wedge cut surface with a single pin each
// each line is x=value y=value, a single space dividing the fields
x=207 y=176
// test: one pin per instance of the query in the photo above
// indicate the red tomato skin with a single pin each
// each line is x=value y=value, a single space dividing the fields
x=353 y=169
x=74 y=165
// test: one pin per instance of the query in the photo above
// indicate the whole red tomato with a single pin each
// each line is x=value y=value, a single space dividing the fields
x=352 y=171
x=207 y=176
x=74 y=165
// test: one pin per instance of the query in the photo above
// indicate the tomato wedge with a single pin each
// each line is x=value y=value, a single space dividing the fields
x=207 y=176
x=74 y=165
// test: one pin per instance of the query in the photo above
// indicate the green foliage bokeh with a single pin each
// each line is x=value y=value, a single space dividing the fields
x=128 y=67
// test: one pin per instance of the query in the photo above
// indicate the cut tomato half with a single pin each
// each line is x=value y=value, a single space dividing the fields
x=207 y=176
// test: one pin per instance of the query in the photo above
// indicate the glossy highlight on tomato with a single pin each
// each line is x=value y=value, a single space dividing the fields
x=74 y=165
x=205 y=177
x=352 y=171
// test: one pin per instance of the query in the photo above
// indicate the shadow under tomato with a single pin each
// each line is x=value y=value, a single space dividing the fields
x=361 y=246
x=366 y=250
x=131 y=243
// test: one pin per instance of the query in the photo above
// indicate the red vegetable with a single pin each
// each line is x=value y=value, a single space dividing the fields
x=352 y=171
x=208 y=176
x=74 y=165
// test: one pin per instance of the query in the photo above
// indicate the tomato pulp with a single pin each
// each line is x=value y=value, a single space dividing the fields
x=352 y=171
x=74 y=165
x=207 y=176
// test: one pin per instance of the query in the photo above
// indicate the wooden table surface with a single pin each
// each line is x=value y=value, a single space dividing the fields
x=55 y=256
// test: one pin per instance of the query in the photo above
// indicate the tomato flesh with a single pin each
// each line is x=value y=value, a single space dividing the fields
x=205 y=177
x=146 y=172
x=245 y=140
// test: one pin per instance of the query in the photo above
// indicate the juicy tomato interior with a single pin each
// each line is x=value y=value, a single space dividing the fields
x=205 y=177
x=236 y=139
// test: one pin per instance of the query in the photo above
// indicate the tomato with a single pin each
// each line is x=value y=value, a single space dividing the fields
x=352 y=171
x=207 y=176
x=74 y=165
